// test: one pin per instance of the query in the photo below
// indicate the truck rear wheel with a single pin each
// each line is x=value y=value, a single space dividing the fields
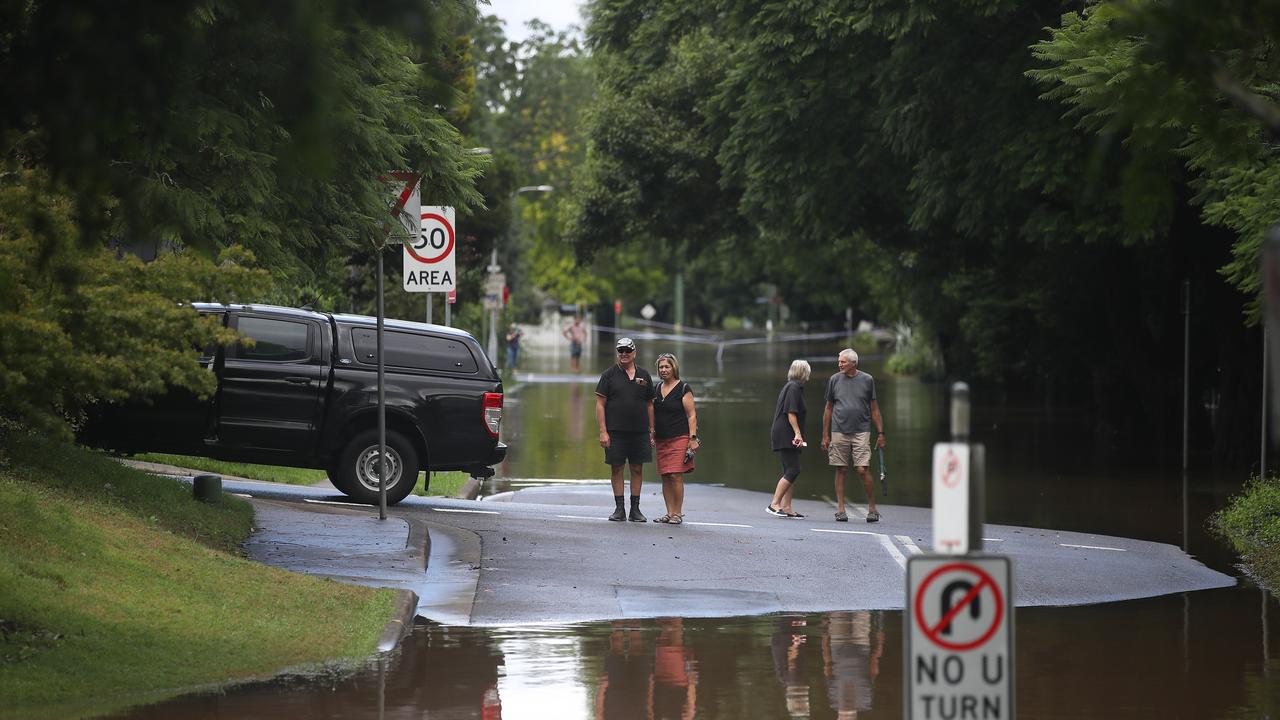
x=357 y=471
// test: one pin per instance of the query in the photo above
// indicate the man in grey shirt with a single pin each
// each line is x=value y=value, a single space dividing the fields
x=846 y=428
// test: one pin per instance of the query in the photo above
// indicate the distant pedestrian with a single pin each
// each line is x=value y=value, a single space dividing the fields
x=786 y=437
x=513 y=346
x=675 y=422
x=624 y=413
x=576 y=334
x=846 y=428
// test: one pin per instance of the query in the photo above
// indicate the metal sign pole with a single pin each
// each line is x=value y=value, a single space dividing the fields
x=382 y=404
x=958 y=636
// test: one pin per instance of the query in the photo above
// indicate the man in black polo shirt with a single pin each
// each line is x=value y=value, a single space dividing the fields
x=624 y=413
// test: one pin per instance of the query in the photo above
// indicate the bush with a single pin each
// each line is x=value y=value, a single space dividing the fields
x=1251 y=523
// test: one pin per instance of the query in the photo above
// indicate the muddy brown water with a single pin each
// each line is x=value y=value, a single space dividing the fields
x=1190 y=655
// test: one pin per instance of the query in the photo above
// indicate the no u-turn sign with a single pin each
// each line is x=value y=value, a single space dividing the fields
x=960 y=641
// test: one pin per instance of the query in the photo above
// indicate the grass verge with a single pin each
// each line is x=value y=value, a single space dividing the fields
x=443 y=484
x=266 y=473
x=1251 y=523
x=117 y=588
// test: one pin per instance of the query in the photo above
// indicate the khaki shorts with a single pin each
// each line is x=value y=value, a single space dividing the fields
x=849 y=449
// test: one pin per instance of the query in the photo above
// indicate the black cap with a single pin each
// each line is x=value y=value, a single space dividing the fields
x=626 y=343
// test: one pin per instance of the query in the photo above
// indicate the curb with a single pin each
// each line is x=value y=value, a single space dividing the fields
x=401 y=620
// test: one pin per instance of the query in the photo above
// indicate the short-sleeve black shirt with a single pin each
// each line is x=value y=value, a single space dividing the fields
x=790 y=400
x=626 y=407
x=669 y=417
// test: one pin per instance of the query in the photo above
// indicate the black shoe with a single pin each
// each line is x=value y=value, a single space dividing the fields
x=618 y=515
x=636 y=515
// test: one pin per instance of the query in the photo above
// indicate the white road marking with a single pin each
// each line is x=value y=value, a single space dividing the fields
x=557 y=481
x=686 y=522
x=992 y=539
x=1093 y=547
x=689 y=522
x=884 y=541
x=335 y=502
x=473 y=512
x=909 y=544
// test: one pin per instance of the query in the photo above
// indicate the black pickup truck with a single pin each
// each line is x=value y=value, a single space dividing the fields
x=304 y=394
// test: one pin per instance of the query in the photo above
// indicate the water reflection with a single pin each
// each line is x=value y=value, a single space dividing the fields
x=788 y=644
x=438 y=672
x=1199 y=655
x=658 y=681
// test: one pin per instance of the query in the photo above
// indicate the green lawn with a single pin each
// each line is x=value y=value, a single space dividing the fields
x=443 y=484
x=266 y=473
x=116 y=588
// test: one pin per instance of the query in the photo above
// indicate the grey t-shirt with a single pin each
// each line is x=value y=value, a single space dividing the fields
x=851 y=402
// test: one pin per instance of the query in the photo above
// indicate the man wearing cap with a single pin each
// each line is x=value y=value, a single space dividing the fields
x=624 y=413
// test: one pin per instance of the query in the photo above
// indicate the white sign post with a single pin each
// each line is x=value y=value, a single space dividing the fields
x=493 y=286
x=951 y=498
x=960 y=638
x=430 y=263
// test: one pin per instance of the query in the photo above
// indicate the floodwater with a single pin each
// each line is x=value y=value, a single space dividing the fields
x=1191 y=655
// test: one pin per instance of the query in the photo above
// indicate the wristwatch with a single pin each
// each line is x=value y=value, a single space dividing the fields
x=693 y=437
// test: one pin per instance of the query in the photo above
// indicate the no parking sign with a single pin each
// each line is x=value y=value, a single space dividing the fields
x=960 y=641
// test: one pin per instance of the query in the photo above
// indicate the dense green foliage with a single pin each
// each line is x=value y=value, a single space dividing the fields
x=1251 y=523
x=1180 y=84
x=118 y=588
x=79 y=323
x=1027 y=199
x=184 y=129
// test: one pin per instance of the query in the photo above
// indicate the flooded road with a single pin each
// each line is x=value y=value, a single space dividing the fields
x=1194 y=655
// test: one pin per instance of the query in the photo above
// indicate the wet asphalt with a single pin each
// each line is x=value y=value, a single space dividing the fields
x=547 y=555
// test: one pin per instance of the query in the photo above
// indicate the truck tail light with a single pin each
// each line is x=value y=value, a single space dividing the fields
x=493 y=413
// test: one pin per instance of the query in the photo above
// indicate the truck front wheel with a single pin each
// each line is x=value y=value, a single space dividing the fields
x=357 y=474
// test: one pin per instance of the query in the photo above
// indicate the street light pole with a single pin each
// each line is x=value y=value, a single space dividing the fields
x=494 y=269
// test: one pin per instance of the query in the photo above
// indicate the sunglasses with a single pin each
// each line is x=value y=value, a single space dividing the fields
x=624 y=351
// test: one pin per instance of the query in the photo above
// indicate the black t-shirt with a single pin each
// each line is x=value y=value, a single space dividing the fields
x=790 y=400
x=669 y=418
x=626 y=407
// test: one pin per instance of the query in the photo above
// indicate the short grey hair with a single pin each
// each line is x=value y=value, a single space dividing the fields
x=799 y=371
x=850 y=354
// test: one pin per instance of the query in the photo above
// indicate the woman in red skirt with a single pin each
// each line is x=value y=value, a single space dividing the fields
x=675 y=428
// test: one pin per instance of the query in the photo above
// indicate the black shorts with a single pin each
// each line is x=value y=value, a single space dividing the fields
x=627 y=447
x=790 y=463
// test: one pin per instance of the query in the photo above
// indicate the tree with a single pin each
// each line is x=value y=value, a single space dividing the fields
x=896 y=157
x=196 y=126
x=80 y=324
x=1181 y=83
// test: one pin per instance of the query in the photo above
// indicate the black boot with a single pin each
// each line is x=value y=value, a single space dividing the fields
x=619 y=513
x=636 y=515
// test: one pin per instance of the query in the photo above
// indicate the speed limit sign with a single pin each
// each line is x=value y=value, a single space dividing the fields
x=429 y=262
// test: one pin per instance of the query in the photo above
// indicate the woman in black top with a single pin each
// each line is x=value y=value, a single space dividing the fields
x=675 y=422
x=786 y=437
